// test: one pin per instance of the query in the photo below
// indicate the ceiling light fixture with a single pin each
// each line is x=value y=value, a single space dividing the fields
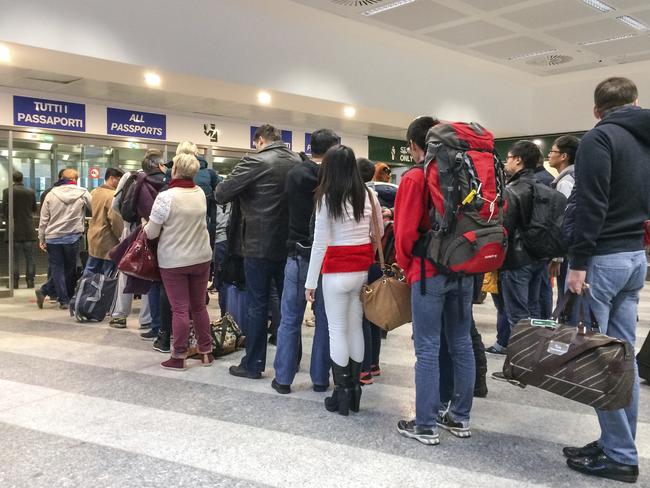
x=152 y=79
x=598 y=5
x=609 y=39
x=264 y=97
x=5 y=54
x=349 y=112
x=632 y=22
x=538 y=142
x=388 y=6
x=66 y=157
x=532 y=55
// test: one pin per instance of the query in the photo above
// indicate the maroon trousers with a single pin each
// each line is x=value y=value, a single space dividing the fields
x=185 y=289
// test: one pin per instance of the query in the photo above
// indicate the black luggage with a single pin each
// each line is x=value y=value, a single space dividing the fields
x=643 y=360
x=94 y=297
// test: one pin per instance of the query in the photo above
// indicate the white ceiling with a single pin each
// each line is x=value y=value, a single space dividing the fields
x=499 y=30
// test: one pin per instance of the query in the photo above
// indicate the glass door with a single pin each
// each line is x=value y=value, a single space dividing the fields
x=5 y=182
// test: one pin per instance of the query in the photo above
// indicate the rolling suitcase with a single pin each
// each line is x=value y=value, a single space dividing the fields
x=643 y=360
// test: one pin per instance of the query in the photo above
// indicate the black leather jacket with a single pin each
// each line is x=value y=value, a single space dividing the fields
x=519 y=196
x=259 y=183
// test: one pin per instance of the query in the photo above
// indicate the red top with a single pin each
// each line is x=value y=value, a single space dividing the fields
x=411 y=216
x=348 y=259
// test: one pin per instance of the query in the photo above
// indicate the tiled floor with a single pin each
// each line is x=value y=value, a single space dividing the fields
x=87 y=405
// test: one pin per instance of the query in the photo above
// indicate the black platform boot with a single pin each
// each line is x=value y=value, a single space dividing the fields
x=340 y=399
x=355 y=385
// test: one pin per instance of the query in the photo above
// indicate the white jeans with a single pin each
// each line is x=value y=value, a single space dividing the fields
x=344 y=315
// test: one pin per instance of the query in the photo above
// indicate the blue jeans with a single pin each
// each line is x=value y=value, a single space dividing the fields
x=371 y=333
x=260 y=273
x=154 y=305
x=289 y=347
x=62 y=259
x=615 y=282
x=517 y=286
x=434 y=312
x=99 y=266
x=503 y=326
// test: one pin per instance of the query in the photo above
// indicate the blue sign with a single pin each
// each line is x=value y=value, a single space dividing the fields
x=136 y=124
x=287 y=137
x=308 y=144
x=49 y=114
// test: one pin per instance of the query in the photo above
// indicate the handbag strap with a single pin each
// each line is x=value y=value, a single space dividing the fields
x=374 y=225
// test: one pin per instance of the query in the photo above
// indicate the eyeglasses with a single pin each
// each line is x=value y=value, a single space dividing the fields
x=510 y=157
x=387 y=170
x=554 y=151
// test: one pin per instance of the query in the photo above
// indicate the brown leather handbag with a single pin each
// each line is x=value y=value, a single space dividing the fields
x=573 y=362
x=140 y=260
x=386 y=301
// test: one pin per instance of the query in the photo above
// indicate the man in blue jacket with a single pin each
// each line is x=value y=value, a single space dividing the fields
x=612 y=200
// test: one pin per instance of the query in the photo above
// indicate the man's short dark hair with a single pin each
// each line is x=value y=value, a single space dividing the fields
x=17 y=177
x=529 y=152
x=113 y=172
x=366 y=168
x=268 y=132
x=417 y=131
x=568 y=145
x=322 y=140
x=613 y=93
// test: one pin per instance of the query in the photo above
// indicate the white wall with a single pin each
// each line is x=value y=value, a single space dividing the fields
x=179 y=126
x=281 y=45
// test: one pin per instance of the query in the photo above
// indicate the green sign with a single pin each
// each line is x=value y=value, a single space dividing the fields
x=390 y=151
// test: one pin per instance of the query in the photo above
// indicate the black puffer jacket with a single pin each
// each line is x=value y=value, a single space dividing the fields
x=519 y=196
x=259 y=182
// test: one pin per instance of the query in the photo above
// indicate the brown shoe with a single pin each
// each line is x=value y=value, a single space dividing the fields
x=177 y=364
x=207 y=359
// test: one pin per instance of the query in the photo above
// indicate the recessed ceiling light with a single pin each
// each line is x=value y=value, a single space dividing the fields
x=349 y=112
x=598 y=5
x=537 y=142
x=388 y=6
x=66 y=157
x=609 y=39
x=152 y=79
x=532 y=55
x=632 y=22
x=264 y=97
x=5 y=54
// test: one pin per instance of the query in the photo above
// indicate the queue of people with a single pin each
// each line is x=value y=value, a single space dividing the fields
x=302 y=225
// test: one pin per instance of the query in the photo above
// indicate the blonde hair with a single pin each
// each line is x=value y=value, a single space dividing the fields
x=70 y=174
x=186 y=166
x=187 y=147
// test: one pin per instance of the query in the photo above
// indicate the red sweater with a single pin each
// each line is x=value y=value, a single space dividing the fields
x=411 y=216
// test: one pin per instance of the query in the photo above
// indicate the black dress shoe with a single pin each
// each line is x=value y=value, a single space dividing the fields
x=281 y=389
x=591 y=449
x=320 y=388
x=604 y=467
x=242 y=372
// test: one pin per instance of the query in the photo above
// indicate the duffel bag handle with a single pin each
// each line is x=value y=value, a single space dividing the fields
x=564 y=308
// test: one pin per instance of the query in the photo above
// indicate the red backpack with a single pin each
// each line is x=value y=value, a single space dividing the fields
x=465 y=183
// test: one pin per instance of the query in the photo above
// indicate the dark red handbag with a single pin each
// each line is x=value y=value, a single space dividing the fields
x=140 y=259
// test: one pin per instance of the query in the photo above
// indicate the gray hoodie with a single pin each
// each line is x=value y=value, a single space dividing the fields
x=63 y=212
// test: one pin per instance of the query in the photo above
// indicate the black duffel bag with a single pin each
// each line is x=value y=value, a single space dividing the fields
x=573 y=362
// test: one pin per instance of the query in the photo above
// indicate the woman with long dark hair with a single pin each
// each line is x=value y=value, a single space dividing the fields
x=342 y=248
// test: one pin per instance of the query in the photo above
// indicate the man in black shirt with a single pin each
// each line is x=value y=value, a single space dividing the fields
x=24 y=229
x=301 y=184
x=612 y=200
